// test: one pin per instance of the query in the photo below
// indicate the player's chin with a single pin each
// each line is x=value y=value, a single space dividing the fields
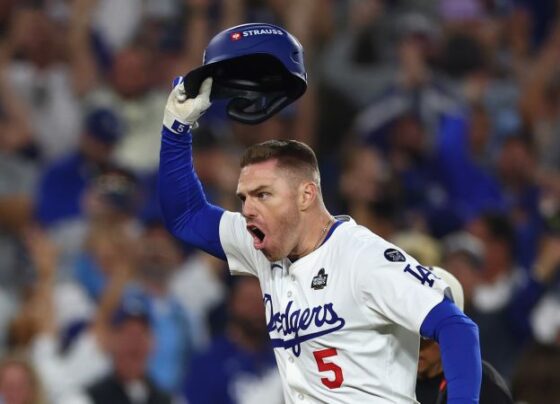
x=271 y=254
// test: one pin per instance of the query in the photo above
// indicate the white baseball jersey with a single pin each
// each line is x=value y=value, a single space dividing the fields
x=345 y=319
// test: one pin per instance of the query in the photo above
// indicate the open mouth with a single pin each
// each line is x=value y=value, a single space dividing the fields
x=258 y=236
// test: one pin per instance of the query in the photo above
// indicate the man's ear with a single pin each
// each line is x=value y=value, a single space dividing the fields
x=307 y=194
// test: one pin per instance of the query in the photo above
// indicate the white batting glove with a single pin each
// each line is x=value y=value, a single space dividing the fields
x=181 y=112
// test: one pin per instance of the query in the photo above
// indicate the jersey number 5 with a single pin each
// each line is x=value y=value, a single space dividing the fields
x=329 y=367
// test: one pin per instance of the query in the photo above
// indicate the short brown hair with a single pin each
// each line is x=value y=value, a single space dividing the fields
x=290 y=154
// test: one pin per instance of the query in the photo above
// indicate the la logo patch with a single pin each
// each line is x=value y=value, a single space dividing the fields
x=320 y=280
x=235 y=36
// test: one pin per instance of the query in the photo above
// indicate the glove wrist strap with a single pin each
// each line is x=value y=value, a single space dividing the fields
x=176 y=125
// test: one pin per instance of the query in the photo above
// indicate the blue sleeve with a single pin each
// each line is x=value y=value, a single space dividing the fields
x=186 y=212
x=457 y=336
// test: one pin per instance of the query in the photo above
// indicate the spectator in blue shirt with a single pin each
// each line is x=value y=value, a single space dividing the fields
x=64 y=181
x=239 y=366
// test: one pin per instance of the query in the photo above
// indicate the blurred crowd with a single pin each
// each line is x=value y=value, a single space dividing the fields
x=436 y=124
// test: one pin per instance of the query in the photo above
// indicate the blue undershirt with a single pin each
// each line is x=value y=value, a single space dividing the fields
x=457 y=336
x=186 y=212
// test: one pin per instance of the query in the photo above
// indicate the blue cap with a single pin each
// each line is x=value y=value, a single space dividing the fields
x=104 y=125
x=132 y=307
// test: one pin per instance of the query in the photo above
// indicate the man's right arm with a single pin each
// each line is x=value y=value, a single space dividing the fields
x=186 y=212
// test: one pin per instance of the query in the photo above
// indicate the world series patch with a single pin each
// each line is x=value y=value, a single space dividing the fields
x=394 y=255
x=320 y=280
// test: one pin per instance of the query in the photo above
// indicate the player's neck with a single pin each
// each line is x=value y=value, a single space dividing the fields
x=314 y=232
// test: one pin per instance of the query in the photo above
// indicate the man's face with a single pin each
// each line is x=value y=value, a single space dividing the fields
x=429 y=359
x=247 y=310
x=269 y=195
x=468 y=274
x=96 y=150
x=159 y=256
x=131 y=73
x=15 y=385
x=131 y=347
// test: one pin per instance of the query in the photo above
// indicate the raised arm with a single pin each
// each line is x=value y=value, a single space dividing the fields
x=186 y=212
x=85 y=75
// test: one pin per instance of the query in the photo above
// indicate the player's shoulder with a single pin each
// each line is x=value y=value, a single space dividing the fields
x=358 y=241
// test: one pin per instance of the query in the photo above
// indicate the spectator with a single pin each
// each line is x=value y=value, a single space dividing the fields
x=130 y=342
x=536 y=306
x=110 y=201
x=410 y=159
x=176 y=331
x=218 y=167
x=500 y=278
x=100 y=346
x=46 y=82
x=139 y=266
x=464 y=166
x=131 y=91
x=415 y=88
x=17 y=182
x=17 y=179
x=362 y=183
x=198 y=284
x=239 y=366
x=19 y=383
x=536 y=377
x=409 y=156
x=36 y=314
x=40 y=325
x=463 y=256
x=516 y=167
x=15 y=131
x=64 y=181
x=420 y=246
x=540 y=101
x=480 y=69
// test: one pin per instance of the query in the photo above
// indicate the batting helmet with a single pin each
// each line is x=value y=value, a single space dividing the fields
x=455 y=288
x=258 y=66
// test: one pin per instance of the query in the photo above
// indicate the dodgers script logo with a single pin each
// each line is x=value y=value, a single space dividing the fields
x=320 y=320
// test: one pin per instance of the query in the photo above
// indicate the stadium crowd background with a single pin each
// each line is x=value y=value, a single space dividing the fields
x=436 y=123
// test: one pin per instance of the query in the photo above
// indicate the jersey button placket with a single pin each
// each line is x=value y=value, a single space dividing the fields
x=300 y=396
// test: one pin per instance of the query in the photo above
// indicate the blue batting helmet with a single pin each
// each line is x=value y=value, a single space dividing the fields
x=258 y=66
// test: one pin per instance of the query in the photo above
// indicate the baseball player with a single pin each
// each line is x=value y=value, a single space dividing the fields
x=344 y=308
